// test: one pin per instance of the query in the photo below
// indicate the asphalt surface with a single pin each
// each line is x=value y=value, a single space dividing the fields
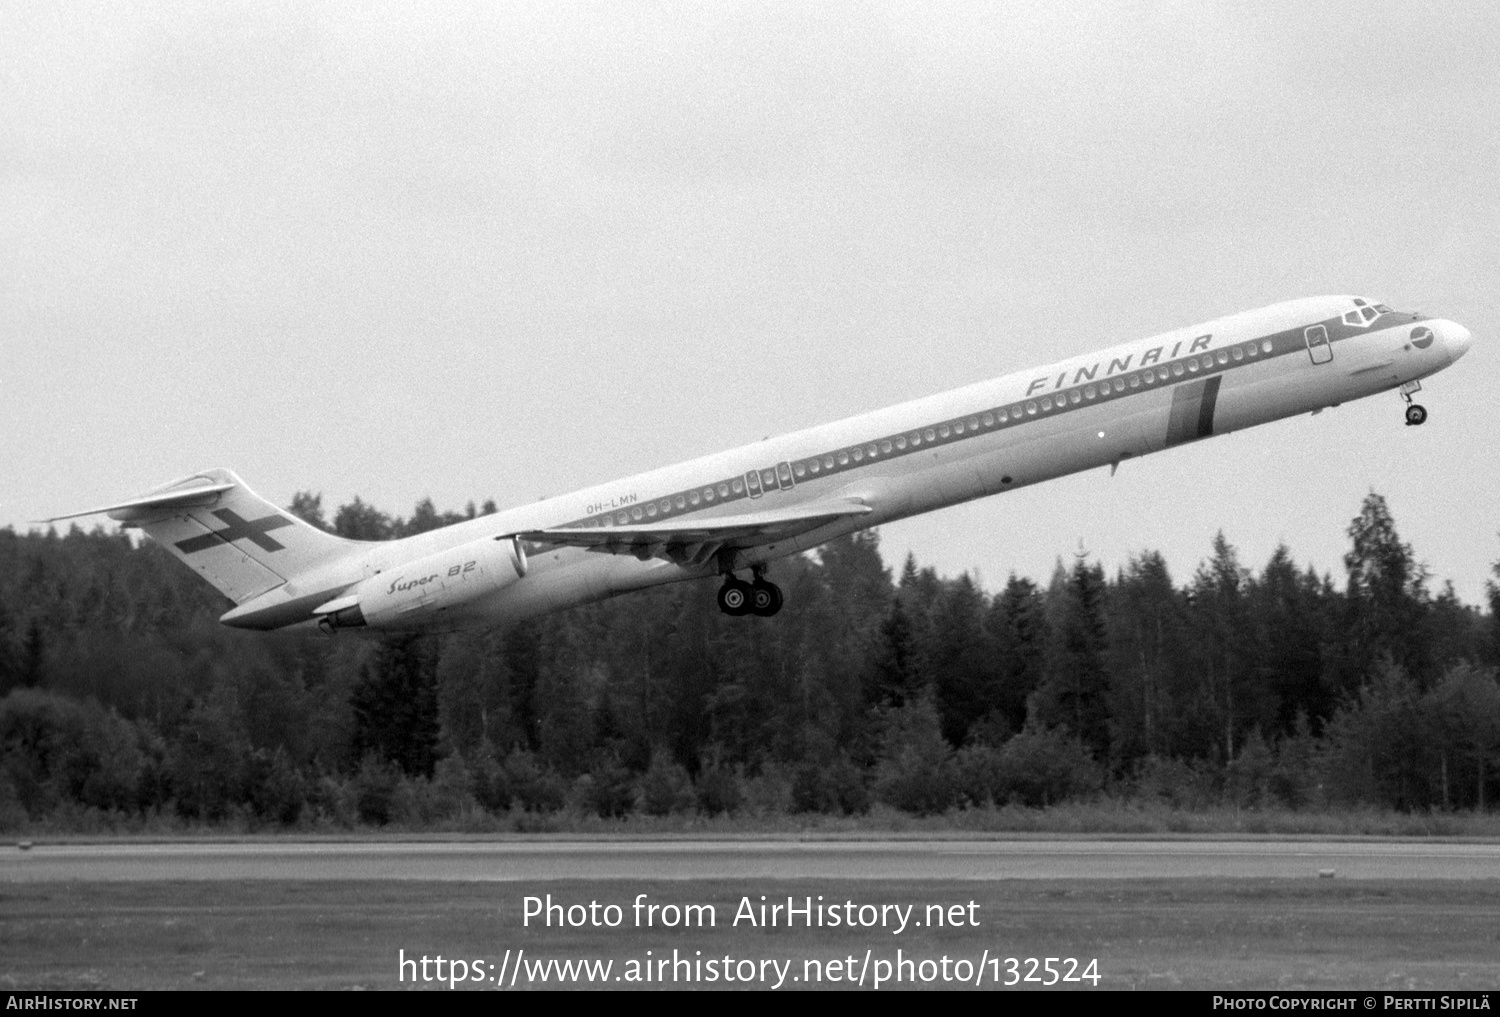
x=533 y=860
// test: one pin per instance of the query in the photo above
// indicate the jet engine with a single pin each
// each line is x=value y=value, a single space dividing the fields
x=415 y=590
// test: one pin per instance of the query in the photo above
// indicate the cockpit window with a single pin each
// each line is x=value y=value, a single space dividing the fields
x=1364 y=312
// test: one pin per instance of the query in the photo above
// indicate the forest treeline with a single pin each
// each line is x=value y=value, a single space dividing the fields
x=126 y=703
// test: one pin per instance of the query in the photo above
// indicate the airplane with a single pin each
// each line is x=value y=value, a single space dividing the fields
x=739 y=510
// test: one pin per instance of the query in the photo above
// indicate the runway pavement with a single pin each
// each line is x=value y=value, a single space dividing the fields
x=534 y=860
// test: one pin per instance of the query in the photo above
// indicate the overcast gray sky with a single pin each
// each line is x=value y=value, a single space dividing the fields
x=510 y=250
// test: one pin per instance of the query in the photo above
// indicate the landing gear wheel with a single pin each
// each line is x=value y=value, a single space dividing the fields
x=1415 y=414
x=765 y=598
x=734 y=597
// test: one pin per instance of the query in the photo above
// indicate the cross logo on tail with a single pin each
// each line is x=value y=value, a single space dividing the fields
x=254 y=530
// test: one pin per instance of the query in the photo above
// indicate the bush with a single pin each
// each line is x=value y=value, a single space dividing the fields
x=278 y=791
x=915 y=772
x=1176 y=782
x=768 y=793
x=607 y=790
x=492 y=787
x=56 y=749
x=980 y=774
x=536 y=788
x=719 y=790
x=838 y=786
x=452 y=789
x=374 y=791
x=1044 y=766
x=665 y=787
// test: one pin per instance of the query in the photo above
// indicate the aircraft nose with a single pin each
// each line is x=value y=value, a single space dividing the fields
x=1458 y=340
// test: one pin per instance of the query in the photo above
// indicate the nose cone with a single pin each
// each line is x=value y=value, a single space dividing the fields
x=1457 y=339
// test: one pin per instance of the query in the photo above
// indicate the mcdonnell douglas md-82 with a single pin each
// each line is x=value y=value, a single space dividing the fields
x=736 y=511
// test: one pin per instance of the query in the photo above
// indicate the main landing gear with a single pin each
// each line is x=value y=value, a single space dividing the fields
x=1416 y=414
x=761 y=597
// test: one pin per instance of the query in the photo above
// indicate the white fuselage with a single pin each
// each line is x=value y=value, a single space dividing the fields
x=987 y=438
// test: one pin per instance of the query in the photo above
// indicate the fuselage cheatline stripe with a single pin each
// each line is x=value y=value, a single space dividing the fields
x=1193 y=402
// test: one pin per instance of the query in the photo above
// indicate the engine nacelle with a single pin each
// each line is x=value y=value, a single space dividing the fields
x=415 y=590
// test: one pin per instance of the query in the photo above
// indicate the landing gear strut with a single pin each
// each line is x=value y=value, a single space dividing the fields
x=761 y=597
x=1415 y=414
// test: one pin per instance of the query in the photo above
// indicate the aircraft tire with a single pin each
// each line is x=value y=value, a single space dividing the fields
x=1415 y=415
x=765 y=598
x=735 y=597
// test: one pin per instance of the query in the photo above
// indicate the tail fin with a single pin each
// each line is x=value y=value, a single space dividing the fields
x=234 y=538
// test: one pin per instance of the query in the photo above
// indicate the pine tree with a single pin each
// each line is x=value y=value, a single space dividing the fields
x=1387 y=596
x=1073 y=692
x=395 y=706
x=1017 y=627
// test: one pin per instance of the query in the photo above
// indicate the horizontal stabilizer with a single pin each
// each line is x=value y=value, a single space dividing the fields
x=692 y=542
x=153 y=504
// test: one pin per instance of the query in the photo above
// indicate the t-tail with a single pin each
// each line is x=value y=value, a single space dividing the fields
x=228 y=534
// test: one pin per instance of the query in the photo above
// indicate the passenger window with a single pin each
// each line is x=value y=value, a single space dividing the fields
x=1074 y=397
x=1046 y=403
x=1135 y=381
x=800 y=470
x=695 y=498
x=885 y=446
x=973 y=424
x=943 y=431
x=1237 y=353
x=901 y=442
x=1266 y=347
x=858 y=455
x=989 y=419
x=1031 y=408
x=738 y=487
x=1177 y=369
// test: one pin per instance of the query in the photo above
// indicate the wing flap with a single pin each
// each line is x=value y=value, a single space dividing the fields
x=694 y=542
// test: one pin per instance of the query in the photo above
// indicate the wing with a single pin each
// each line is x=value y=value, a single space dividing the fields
x=689 y=542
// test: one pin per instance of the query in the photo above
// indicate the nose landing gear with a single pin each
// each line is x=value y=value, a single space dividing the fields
x=761 y=597
x=1415 y=413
